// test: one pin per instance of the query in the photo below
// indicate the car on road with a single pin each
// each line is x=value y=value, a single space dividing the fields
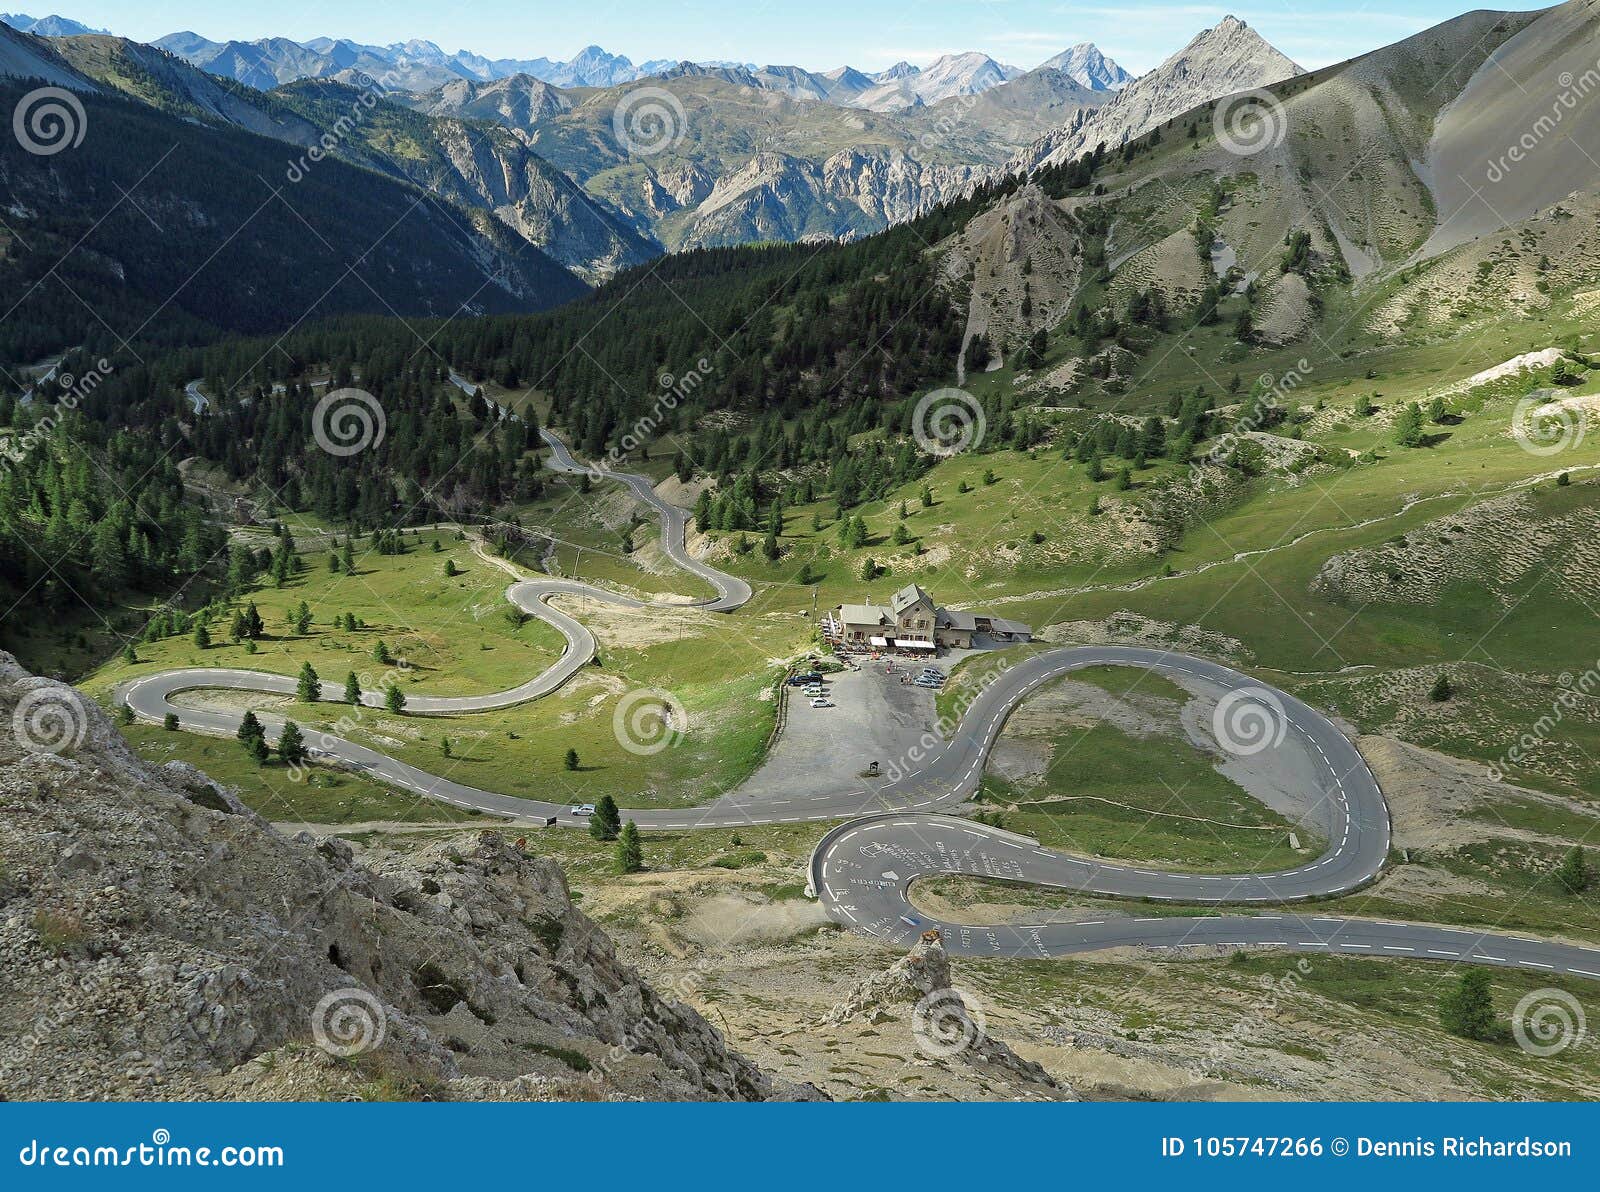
x=819 y=702
x=581 y=809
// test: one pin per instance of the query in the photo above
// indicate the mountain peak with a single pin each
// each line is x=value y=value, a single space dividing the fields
x=1233 y=41
x=50 y=26
x=1085 y=64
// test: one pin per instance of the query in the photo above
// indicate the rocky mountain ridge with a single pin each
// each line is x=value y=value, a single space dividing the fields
x=420 y=65
x=1225 y=59
x=475 y=165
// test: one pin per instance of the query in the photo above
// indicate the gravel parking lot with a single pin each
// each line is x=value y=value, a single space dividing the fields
x=824 y=750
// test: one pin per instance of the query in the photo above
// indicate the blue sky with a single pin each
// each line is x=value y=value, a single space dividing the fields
x=817 y=34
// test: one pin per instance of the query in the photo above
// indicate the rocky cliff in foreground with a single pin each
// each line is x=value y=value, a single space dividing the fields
x=162 y=941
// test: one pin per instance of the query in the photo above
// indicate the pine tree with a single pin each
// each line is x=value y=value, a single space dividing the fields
x=1408 y=426
x=170 y=722
x=1441 y=689
x=1573 y=873
x=249 y=727
x=606 y=822
x=380 y=653
x=256 y=627
x=394 y=699
x=1467 y=1009
x=202 y=636
x=257 y=748
x=291 y=743
x=449 y=568
x=308 y=687
x=352 y=689
x=572 y=759
x=129 y=654
x=630 y=853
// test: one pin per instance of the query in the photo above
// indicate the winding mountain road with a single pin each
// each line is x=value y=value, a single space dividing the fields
x=862 y=871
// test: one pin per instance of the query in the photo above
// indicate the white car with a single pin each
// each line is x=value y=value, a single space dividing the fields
x=581 y=809
x=819 y=702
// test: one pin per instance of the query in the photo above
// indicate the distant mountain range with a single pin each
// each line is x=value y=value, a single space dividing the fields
x=46 y=26
x=420 y=65
x=534 y=183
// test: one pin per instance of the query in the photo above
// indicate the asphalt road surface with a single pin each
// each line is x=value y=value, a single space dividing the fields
x=862 y=870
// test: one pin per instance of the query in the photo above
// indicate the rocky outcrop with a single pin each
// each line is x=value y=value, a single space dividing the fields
x=778 y=197
x=1019 y=261
x=162 y=941
x=946 y=1028
x=494 y=170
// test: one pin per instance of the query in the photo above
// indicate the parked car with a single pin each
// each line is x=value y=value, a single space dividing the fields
x=819 y=702
x=581 y=809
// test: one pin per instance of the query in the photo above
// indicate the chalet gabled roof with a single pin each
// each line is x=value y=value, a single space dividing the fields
x=906 y=597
